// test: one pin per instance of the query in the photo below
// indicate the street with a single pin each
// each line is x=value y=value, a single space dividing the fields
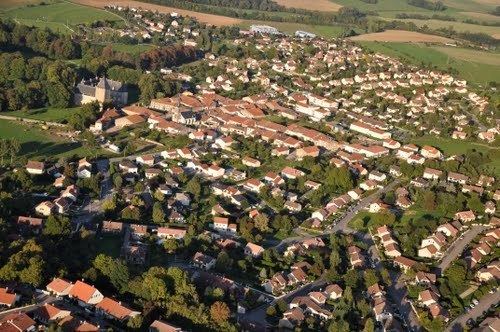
x=484 y=304
x=458 y=247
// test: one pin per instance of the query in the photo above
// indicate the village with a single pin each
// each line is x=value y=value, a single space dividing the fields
x=297 y=185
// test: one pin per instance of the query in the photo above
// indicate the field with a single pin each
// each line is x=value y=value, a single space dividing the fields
x=132 y=49
x=401 y=36
x=465 y=54
x=44 y=114
x=320 y=5
x=433 y=56
x=37 y=143
x=58 y=16
x=202 y=17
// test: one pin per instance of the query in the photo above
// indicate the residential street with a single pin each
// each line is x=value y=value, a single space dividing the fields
x=458 y=246
x=484 y=304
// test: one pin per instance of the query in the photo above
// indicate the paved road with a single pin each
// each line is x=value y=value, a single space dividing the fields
x=342 y=223
x=486 y=302
x=458 y=246
x=397 y=291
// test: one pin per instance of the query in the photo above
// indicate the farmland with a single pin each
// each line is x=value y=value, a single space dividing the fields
x=320 y=5
x=202 y=17
x=477 y=72
x=58 y=16
x=401 y=36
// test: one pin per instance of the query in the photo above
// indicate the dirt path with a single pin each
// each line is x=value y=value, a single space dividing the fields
x=202 y=17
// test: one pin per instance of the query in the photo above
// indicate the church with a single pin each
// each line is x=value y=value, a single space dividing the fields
x=100 y=89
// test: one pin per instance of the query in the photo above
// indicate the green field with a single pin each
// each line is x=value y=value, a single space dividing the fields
x=434 y=57
x=45 y=114
x=37 y=143
x=60 y=16
x=132 y=49
x=452 y=146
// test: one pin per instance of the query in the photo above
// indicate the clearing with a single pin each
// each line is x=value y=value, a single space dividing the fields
x=319 y=5
x=202 y=17
x=401 y=36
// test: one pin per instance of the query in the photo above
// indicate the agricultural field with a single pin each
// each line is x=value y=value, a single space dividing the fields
x=402 y=37
x=472 y=70
x=319 y=5
x=45 y=114
x=202 y=17
x=37 y=143
x=60 y=16
x=6 y=4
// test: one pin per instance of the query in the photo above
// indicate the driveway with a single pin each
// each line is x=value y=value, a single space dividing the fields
x=458 y=247
x=486 y=302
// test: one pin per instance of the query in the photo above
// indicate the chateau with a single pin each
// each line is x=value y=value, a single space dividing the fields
x=102 y=89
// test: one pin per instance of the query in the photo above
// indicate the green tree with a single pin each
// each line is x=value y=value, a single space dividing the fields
x=57 y=225
x=114 y=269
x=158 y=213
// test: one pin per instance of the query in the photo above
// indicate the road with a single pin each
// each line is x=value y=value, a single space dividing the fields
x=486 y=302
x=458 y=246
x=342 y=224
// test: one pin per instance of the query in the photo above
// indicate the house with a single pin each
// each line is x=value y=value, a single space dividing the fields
x=404 y=263
x=428 y=297
x=425 y=278
x=253 y=250
x=62 y=204
x=333 y=291
x=291 y=318
x=115 y=310
x=162 y=326
x=109 y=226
x=59 y=287
x=465 y=216
x=101 y=90
x=203 y=261
x=430 y=152
x=171 y=233
x=128 y=166
x=250 y=162
x=45 y=208
x=457 y=178
x=297 y=276
x=291 y=173
x=8 y=298
x=85 y=294
x=148 y=160
x=448 y=230
x=17 y=321
x=31 y=224
x=35 y=167
x=432 y=174
x=48 y=313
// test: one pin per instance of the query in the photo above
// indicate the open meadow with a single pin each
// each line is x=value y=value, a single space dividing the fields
x=319 y=5
x=480 y=68
x=36 y=142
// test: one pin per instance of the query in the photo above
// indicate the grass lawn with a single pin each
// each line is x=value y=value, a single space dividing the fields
x=472 y=70
x=45 y=114
x=452 y=146
x=58 y=16
x=37 y=143
x=109 y=245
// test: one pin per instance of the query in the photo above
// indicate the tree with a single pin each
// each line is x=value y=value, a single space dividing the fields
x=158 y=213
x=223 y=262
x=170 y=245
x=135 y=322
x=369 y=326
x=149 y=85
x=261 y=222
x=57 y=225
x=370 y=277
x=114 y=269
x=194 y=187
x=334 y=259
x=14 y=148
x=219 y=312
